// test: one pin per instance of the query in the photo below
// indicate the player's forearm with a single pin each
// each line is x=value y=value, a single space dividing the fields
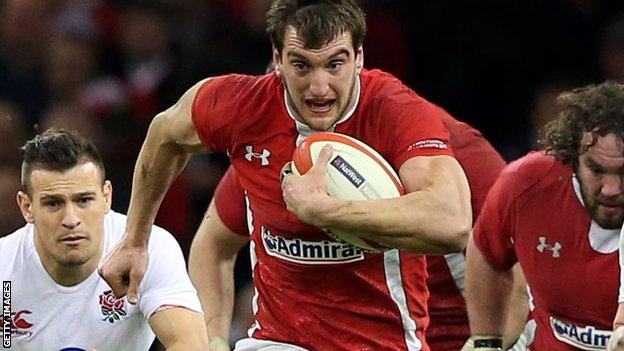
x=212 y=273
x=487 y=294
x=159 y=163
x=518 y=308
x=421 y=222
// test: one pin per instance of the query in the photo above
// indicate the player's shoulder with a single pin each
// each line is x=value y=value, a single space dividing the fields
x=15 y=239
x=535 y=171
x=115 y=228
x=383 y=92
x=380 y=86
x=236 y=85
x=535 y=164
x=15 y=246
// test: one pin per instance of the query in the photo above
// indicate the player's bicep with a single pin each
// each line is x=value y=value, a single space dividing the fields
x=179 y=328
x=175 y=125
x=440 y=174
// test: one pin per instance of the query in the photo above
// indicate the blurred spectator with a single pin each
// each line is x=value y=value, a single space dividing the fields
x=544 y=106
x=147 y=61
x=12 y=135
x=24 y=26
x=71 y=63
x=612 y=50
x=10 y=216
x=73 y=117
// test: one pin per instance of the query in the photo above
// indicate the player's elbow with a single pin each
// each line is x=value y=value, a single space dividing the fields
x=458 y=238
x=454 y=234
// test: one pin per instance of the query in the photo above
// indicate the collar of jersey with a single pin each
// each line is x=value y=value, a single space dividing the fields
x=305 y=130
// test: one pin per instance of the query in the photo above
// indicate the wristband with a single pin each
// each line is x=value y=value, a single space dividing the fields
x=488 y=342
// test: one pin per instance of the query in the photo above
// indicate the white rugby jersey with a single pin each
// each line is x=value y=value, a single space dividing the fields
x=48 y=316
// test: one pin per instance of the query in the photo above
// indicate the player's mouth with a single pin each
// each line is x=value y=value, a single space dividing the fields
x=320 y=106
x=73 y=239
x=611 y=208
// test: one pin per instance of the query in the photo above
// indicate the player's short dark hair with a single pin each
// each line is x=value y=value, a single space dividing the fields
x=317 y=21
x=57 y=150
x=597 y=109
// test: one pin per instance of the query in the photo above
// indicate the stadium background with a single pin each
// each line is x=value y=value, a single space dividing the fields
x=105 y=68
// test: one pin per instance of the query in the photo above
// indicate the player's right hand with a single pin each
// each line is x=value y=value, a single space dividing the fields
x=616 y=341
x=123 y=269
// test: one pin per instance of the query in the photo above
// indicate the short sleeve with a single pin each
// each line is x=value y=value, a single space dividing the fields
x=166 y=281
x=418 y=128
x=493 y=232
x=212 y=111
x=229 y=200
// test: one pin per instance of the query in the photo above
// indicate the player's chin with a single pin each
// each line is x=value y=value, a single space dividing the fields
x=321 y=123
x=75 y=258
x=610 y=221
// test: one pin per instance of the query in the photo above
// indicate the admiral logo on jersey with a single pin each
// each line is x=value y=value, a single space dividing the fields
x=310 y=252
x=584 y=338
x=349 y=172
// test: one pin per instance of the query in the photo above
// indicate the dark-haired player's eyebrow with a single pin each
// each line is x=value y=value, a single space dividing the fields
x=82 y=195
x=51 y=197
x=294 y=55
x=593 y=166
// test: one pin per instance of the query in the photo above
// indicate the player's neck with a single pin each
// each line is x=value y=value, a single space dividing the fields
x=67 y=275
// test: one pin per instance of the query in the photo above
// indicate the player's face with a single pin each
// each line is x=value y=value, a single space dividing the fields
x=320 y=82
x=601 y=175
x=67 y=210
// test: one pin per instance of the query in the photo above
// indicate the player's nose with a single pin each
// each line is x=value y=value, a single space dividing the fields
x=319 y=84
x=612 y=185
x=70 y=217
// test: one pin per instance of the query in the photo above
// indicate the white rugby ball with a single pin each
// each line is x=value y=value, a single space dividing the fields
x=354 y=172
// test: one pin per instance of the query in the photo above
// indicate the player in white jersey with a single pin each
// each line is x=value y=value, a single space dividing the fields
x=57 y=300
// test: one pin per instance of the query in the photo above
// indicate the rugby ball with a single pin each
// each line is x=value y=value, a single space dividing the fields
x=354 y=172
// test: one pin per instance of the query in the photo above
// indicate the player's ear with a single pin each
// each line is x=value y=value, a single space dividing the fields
x=25 y=206
x=107 y=191
x=277 y=62
x=359 y=59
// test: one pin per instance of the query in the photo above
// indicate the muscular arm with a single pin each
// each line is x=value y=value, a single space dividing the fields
x=434 y=217
x=179 y=329
x=518 y=308
x=487 y=293
x=170 y=141
x=211 y=267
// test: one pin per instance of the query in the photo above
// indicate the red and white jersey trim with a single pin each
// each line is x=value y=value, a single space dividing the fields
x=392 y=268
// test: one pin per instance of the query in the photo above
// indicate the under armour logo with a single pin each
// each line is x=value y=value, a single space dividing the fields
x=264 y=156
x=554 y=248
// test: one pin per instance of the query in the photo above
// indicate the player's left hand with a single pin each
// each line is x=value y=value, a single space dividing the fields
x=306 y=195
x=616 y=342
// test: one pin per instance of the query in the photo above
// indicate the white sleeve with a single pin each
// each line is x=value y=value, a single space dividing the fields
x=621 y=295
x=166 y=281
